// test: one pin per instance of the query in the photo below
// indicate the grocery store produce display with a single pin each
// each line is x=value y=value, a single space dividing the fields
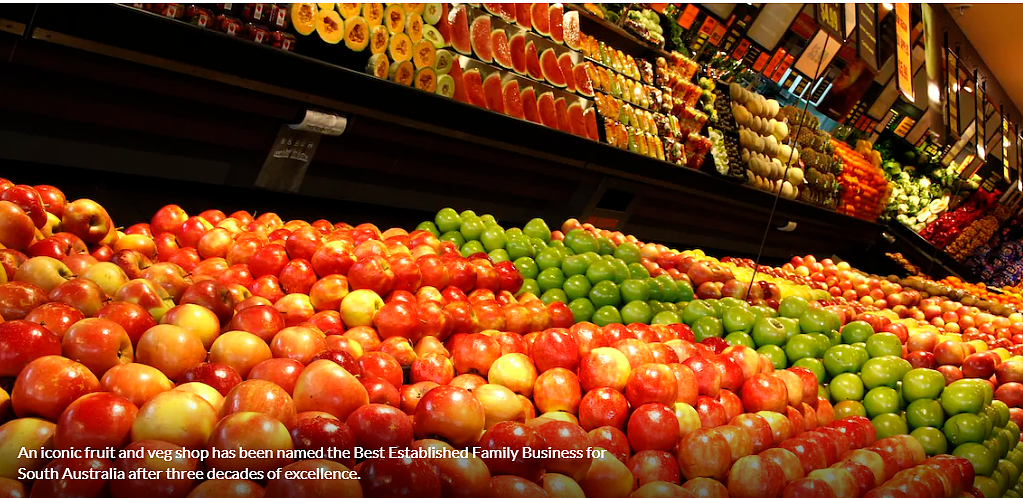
x=865 y=192
x=233 y=331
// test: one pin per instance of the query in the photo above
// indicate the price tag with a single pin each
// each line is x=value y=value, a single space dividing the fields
x=831 y=18
x=688 y=16
x=293 y=149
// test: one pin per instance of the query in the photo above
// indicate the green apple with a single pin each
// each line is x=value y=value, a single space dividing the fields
x=529 y=285
x=637 y=312
x=527 y=267
x=729 y=301
x=737 y=319
x=982 y=459
x=791 y=326
x=964 y=428
x=884 y=344
x=538 y=245
x=605 y=246
x=488 y=218
x=856 y=331
x=883 y=371
x=605 y=315
x=454 y=237
x=551 y=295
x=550 y=257
x=536 y=227
x=656 y=289
x=471 y=247
x=583 y=241
x=823 y=343
x=762 y=311
x=657 y=307
x=600 y=271
x=932 y=439
x=846 y=387
x=922 y=383
x=1002 y=410
x=801 y=346
x=582 y=309
x=429 y=226
x=814 y=365
x=622 y=272
x=575 y=264
x=696 y=309
x=843 y=358
x=634 y=290
x=666 y=318
x=513 y=231
x=560 y=246
x=628 y=252
x=519 y=246
x=551 y=278
x=959 y=397
x=669 y=291
x=685 y=291
x=499 y=256
x=849 y=408
x=792 y=307
x=766 y=331
x=889 y=424
x=472 y=228
x=815 y=320
x=577 y=286
x=468 y=213
x=707 y=326
x=736 y=338
x=881 y=400
x=775 y=354
x=605 y=293
x=637 y=271
x=983 y=385
x=447 y=220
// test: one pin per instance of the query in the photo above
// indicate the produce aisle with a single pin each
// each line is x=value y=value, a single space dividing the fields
x=688 y=298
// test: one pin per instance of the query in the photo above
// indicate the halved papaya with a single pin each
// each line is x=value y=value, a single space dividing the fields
x=378 y=66
x=401 y=47
x=373 y=13
x=414 y=26
x=325 y=6
x=394 y=18
x=425 y=79
x=418 y=8
x=349 y=10
x=401 y=73
x=356 y=34
x=378 y=39
x=304 y=18
x=330 y=27
x=424 y=54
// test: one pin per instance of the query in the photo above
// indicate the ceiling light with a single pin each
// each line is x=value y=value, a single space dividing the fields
x=981 y=152
x=887 y=6
x=968 y=89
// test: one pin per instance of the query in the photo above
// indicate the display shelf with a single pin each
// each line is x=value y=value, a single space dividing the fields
x=931 y=260
x=615 y=35
x=105 y=74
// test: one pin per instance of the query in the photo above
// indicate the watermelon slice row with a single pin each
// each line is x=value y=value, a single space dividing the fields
x=458 y=30
x=482 y=44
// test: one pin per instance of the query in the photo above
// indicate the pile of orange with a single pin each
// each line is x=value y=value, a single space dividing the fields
x=1008 y=295
x=864 y=187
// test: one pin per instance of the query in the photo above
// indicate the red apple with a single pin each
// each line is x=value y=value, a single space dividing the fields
x=292 y=484
x=449 y=413
x=652 y=383
x=97 y=420
x=163 y=485
x=475 y=353
x=86 y=219
x=283 y=372
x=261 y=396
x=179 y=417
x=251 y=431
x=21 y=342
x=704 y=453
x=607 y=477
x=603 y=407
x=328 y=387
x=557 y=389
x=298 y=343
x=755 y=477
x=518 y=437
x=382 y=392
x=604 y=367
x=62 y=486
x=763 y=392
x=320 y=433
x=48 y=384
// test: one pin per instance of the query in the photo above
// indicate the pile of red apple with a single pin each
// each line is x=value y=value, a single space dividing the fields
x=231 y=332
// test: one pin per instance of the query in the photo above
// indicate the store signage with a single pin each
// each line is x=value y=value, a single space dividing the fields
x=761 y=62
x=831 y=18
x=903 y=51
x=285 y=166
x=817 y=56
x=786 y=63
x=866 y=33
x=804 y=26
x=717 y=35
x=776 y=59
x=740 y=50
x=688 y=16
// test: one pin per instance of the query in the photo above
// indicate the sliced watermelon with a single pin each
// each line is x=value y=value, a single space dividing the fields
x=540 y=16
x=545 y=105
x=576 y=121
x=529 y=108
x=533 y=68
x=557 y=16
x=444 y=24
x=522 y=15
x=565 y=61
x=583 y=85
x=456 y=74
x=474 y=88
x=551 y=69
x=493 y=93
x=570 y=27
x=499 y=45
x=517 y=48
x=561 y=112
x=513 y=100
x=508 y=12
x=458 y=25
x=493 y=8
x=590 y=115
x=480 y=35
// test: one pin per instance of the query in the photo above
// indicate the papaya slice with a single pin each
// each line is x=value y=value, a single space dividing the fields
x=424 y=54
x=400 y=49
x=417 y=8
x=331 y=27
x=493 y=93
x=414 y=27
x=432 y=35
x=425 y=79
x=304 y=17
x=373 y=13
x=379 y=66
x=446 y=86
x=356 y=34
x=473 y=82
x=432 y=13
x=529 y=107
x=325 y=6
x=349 y=10
x=443 y=62
x=394 y=18
x=401 y=73
x=378 y=39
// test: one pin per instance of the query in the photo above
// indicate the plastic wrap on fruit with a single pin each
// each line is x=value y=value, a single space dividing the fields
x=283 y=41
x=256 y=33
x=172 y=10
x=256 y=12
x=279 y=18
x=228 y=25
x=199 y=16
